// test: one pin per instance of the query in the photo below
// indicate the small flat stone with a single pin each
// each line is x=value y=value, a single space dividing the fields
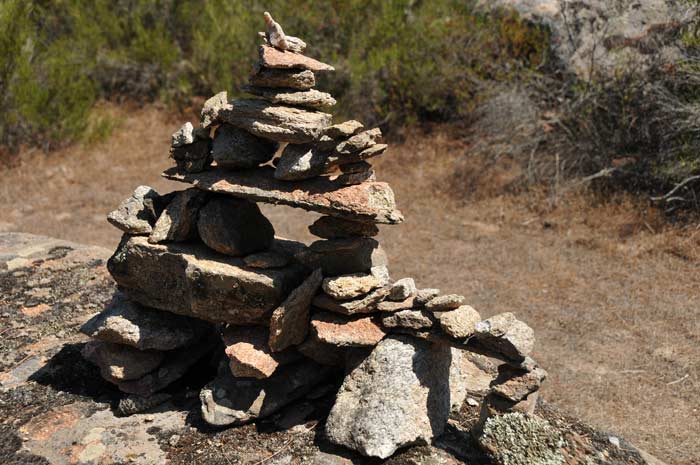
x=341 y=331
x=283 y=78
x=390 y=306
x=311 y=98
x=267 y=260
x=249 y=353
x=119 y=362
x=234 y=226
x=194 y=157
x=329 y=227
x=299 y=162
x=238 y=149
x=343 y=256
x=343 y=130
x=359 y=142
x=402 y=289
x=138 y=213
x=506 y=335
x=516 y=385
x=365 y=304
x=212 y=108
x=444 y=302
x=352 y=179
x=459 y=323
x=349 y=286
x=423 y=296
x=177 y=222
x=289 y=323
x=409 y=319
x=270 y=57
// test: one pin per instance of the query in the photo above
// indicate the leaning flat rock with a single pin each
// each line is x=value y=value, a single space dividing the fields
x=342 y=331
x=289 y=323
x=370 y=202
x=398 y=396
x=329 y=227
x=270 y=57
x=192 y=280
x=126 y=322
x=507 y=335
x=249 y=353
x=118 y=362
x=344 y=256
x=237 y=149
x=365 y=304
x=275 y=122
x=343 y=130
x=283 y=78
x=138 y=213
x=229 y=400
x=178 y=220
x=304 y=98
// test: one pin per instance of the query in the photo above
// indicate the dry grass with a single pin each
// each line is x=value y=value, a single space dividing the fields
x=609 y=287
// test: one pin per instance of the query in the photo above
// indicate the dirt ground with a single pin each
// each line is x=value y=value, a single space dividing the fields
x=609 y=287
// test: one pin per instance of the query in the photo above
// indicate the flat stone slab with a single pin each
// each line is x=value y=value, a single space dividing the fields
x=270 y=57
x=370 y=202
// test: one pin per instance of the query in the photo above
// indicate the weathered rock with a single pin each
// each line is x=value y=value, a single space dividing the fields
x=267 y=260
x=283 y=78
x=359 y=142
x=192 y=280
x=329 y=227
x=234 y=226
x=353 y=168
x=369 y=202
x=126 y=322
x=183 y=136
x=237 y=149
x=270 y=57
x=515 y=385
x=409 y=319
x=132 y=404
x=304 y=98
x=212 y=108
x=294 y=44
x=250 y=355
x=357 y=157
x=119 y=362
x=194 y=157
x=470 y=374
x=390 y=306
x=459 y=323
x=342 y=331
x=364 y=304
x=275 y=122
x=138 y=213
x=299 y=162
x=351 y=179
x=349 y=286
x=402 y=289
x=274 y=33
x=398 y=396
x=506 y=335
x=444 y=302
x=289 y=323
x=423 y=296
x=343 y=256
x=178 y=221
x=343 y=130
x=229 y=400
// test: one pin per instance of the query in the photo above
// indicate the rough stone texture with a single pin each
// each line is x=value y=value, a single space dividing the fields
x=274 y=33
x=444 y=302
x=350 y=286
x=343 y=256
x=459 y=323
x=267 y=260
x=133 y=404
x=187 y=134
x=311 y=98
x=299 y=162
x=390 y=306
x=359 y=167
x=343 y=130
x=290 y=321
x=126 y=322
x=516 y=385
x=275 y=122
x=351 y=179
x=342 y=331
x=194 y=281
x=211 y=109
x=357 y=157
x=506 y=335
x=229 y=400
x=359 y=142
x=194 y=157
x=423 y=296
x=118 y=362
x=270 y=57
x=398 y=396
x=409 y=319
x=283 y=78
x=369 y=202
x=234 y=226
x=329 y=227
x=138 y=213
x=178 y=221
x=250 y=355
x=402 y=289
x=237 y=149
x=364 y=304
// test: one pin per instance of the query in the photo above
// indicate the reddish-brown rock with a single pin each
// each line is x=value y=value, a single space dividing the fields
x=249 y=353
x=346 y=332
x=271 y=57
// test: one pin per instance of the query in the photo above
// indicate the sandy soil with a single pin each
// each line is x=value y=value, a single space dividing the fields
x=609 y=287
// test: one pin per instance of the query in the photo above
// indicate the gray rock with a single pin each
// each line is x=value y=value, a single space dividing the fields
x=515 y=385
x=118 y=362
x=343 y=256
x=289 y=323
x=364 y=304
x=300 y=162
x=359 y=167
x=194 y=157
x=329 y=227
x=359 y=142
x=402 y=289
x=444 y=302
x=192 y=280
x=275 y=122
x=212 y=108
x=341 y=331
x=343 y=130
x=234 y=226
x=398 y=396
x=283 y=78
x=138 y=213
x=229 y=400
x=238 y=149
x=187 y=134
x=506 y=335
x=304 y=98
x=351 y=179
x=128 y=323
x=267 y=260
x=408 y=319
x=178 y=222
x=250 y=355
x=350 y=286
x=459 y=323
x=357 y=157
x=270 y=57
x=423 y=296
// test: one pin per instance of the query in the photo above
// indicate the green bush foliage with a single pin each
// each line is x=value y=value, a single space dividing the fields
x=397 y=61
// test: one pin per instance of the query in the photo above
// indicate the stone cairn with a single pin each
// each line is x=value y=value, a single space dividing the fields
x=201 y=274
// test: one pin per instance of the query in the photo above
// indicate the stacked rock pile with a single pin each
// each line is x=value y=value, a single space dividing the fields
x=201 y=272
